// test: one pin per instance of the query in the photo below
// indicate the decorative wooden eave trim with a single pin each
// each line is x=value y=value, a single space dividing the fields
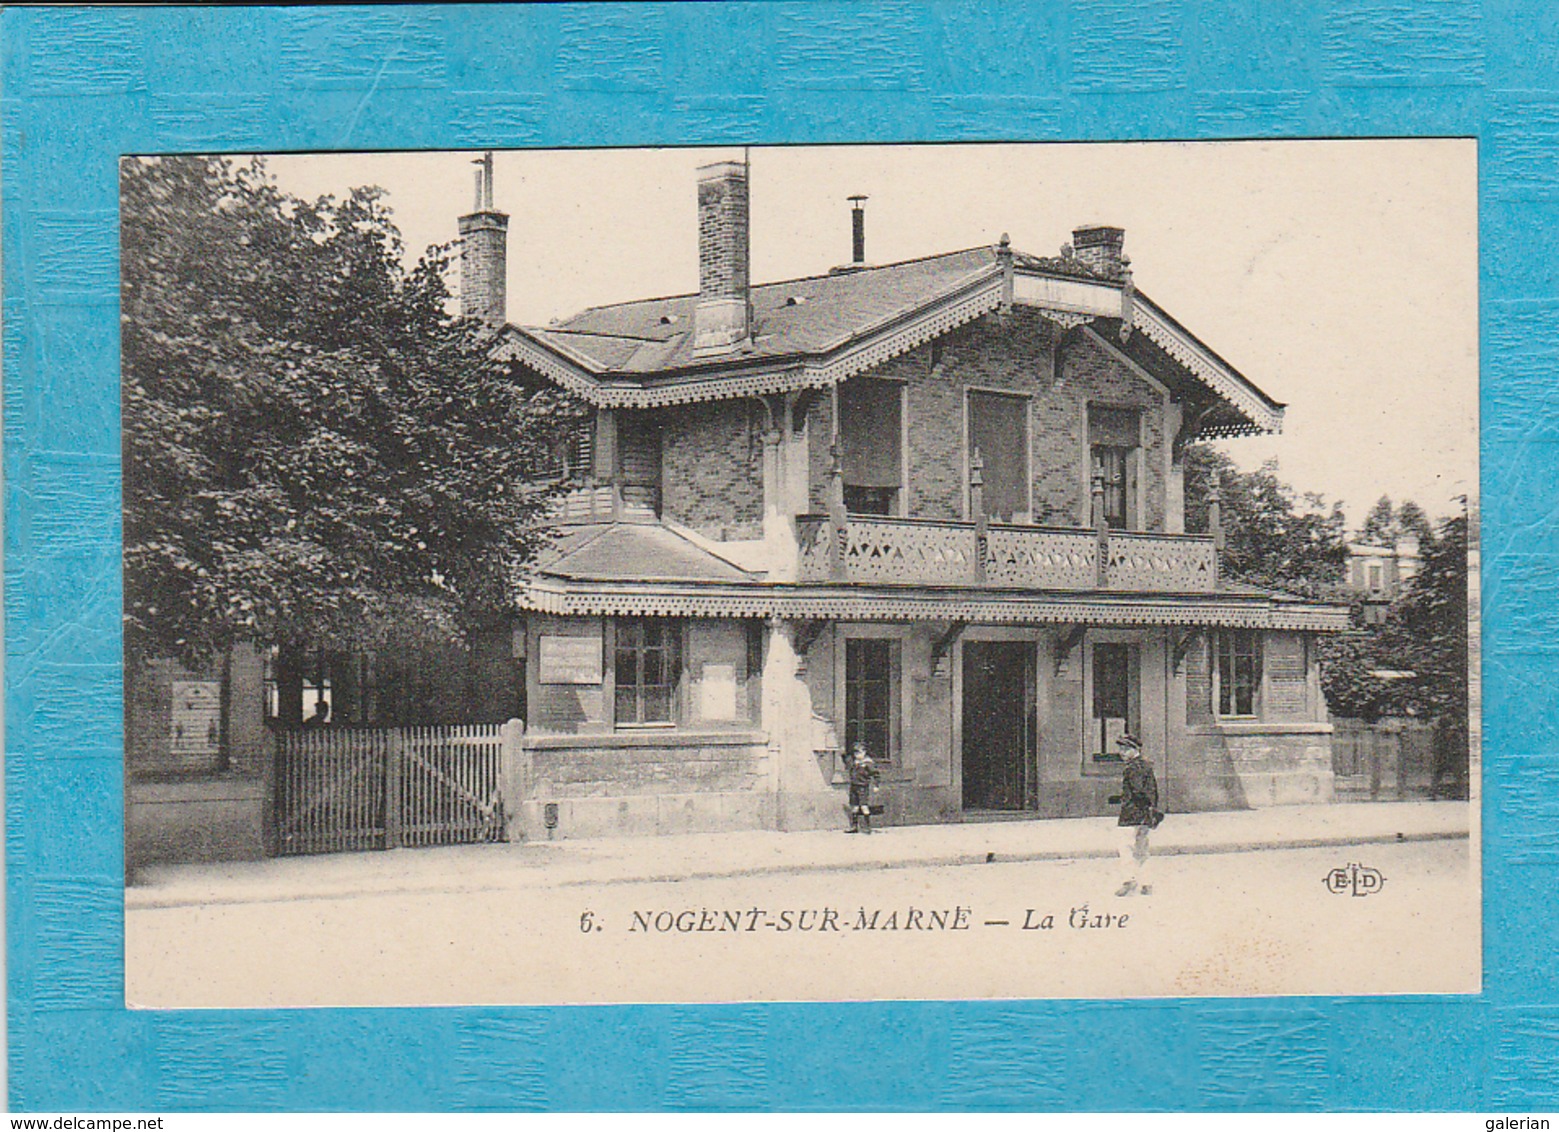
x=870 y=351
x=565 y=598
x=1066 y=320
x=851 y=355
x=845 y=603
x=572 y=376
x=1125 y=359
x=1206 y=367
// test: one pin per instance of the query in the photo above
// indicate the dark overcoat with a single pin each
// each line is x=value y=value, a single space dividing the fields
x=861 y=774
x=1139 y=792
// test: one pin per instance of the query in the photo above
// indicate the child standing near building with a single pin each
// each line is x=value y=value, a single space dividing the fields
x=862 y=770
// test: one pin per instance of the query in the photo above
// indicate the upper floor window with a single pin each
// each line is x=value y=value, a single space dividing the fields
x=999 y=432
x=1237 y=673
x=1114 y=442
x=871 y=422
x=648 y=669
x=639 y=460
x=570 y=456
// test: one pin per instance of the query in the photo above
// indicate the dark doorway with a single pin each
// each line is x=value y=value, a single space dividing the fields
x=999 y=726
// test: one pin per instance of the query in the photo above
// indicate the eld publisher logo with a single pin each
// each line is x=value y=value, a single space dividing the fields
x=1354 y=880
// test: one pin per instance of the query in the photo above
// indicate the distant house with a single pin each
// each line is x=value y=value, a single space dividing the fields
x=1379 y=571
x=935 y=508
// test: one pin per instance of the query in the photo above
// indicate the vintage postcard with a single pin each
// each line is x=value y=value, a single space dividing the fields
x=795 y=573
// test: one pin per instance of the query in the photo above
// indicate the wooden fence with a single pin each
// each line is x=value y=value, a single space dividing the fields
x=1396 y=760
x=344 y=788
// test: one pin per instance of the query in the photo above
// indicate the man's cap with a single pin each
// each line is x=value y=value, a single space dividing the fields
x=1128 y=742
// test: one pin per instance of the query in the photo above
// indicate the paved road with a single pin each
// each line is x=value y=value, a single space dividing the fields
x=1237 y=923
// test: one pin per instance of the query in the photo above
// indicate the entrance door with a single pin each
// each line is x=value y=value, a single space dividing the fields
x=999 y=726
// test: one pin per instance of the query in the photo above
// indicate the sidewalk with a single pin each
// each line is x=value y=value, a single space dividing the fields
x=491 y=868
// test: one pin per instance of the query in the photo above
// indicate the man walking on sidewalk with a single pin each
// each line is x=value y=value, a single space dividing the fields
x=1140 y=815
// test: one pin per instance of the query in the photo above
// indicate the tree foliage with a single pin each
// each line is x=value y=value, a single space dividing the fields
x=1426 y=630
x=1273 y=537
x=1411 y=520
x=1423 y=643
x=1380 y=525
x=1297 y=543
x=314 y=448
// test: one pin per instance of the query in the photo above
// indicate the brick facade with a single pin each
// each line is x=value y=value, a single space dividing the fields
x=1014 y=354
x=712 y=469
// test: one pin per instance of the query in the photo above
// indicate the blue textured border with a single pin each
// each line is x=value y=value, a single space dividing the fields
x=82 y=86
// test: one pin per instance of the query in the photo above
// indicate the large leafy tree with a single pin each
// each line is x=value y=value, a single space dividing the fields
x=1426 y=629
x=314 y=447
x=1416 y=662
x=1413 y=664
x=1273 y=536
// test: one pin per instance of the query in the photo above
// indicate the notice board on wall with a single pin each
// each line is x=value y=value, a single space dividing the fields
x=569 y=660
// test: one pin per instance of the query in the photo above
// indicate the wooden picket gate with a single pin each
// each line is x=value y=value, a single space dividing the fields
x=344 y=788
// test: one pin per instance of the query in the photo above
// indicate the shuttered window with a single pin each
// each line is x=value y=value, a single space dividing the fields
x=999 y=432
x=1117 y=698
x=871 y=670
x=870 y=435
x=639 y=454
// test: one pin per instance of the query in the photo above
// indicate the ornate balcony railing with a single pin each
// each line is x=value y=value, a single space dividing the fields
x=1161 y=563
x=876 y=549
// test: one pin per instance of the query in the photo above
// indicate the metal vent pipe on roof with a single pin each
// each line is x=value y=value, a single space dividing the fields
x=857 y=229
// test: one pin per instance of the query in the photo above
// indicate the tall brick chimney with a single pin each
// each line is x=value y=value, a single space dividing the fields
x=484 y=236
x=1099 y=246
x=723 y=318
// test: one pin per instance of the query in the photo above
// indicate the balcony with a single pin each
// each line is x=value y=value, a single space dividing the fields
x=874 y=550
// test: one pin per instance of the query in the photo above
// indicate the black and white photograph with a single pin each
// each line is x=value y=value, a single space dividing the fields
x=766 y=573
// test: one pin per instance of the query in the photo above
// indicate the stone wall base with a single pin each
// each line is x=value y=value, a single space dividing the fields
x=198 y=820
x=645 y=815
x=821 y=809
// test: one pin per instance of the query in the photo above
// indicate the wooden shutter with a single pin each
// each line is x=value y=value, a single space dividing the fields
x=870 y=429
x=998 y=430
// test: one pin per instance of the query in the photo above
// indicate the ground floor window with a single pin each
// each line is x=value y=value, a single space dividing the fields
x=1237 y=673
x=1117 y=698
x=871 y=668
x=648 y=670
